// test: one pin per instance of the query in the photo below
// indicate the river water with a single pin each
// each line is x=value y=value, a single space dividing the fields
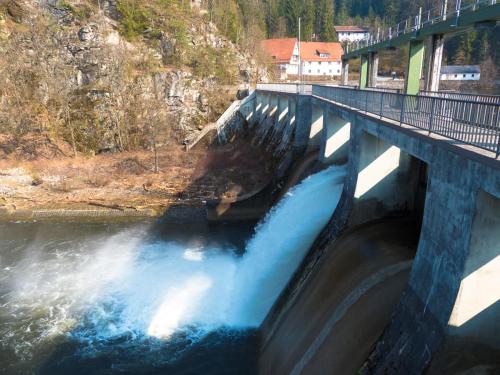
x=129 y=298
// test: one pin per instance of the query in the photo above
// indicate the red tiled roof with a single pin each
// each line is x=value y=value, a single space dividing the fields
x=352 y=29
x=310 y=51
x=280 y=50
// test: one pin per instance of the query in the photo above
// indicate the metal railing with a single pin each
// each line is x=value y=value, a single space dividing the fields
x=445 y=10
x=470 y=122
x=492 y=99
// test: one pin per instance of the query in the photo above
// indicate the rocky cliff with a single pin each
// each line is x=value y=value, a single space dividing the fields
x=111 y=75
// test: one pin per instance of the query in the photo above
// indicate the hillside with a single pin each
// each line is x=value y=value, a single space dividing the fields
x=115 y=75
x=97 y=99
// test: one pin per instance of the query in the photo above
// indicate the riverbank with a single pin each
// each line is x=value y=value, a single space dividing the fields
x=47 y=183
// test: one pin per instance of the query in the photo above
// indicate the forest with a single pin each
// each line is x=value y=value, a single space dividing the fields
x=246 y=21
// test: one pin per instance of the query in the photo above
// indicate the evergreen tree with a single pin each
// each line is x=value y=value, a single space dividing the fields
x=392 y=8
x=307 y=18
x=327 y=32
x=291 y=10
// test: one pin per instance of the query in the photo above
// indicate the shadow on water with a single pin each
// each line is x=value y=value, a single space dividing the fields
x=221 y=351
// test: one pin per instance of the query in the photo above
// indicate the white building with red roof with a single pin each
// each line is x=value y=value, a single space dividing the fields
x=351 y=33
x=319 y=59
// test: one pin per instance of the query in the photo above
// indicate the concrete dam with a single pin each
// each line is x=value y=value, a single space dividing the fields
x=404 y=276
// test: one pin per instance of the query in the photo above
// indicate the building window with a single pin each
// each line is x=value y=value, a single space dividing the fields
x=338 y=71
x=309 y=70
x=465 y=75
x=319 y=71
x=456 y=75
x=331 y=71
x=319 y=62
x=472 y=75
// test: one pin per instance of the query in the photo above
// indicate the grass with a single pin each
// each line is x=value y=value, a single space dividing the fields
x=80 y=11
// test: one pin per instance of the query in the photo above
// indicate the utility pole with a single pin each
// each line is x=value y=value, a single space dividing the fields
x=300 y=60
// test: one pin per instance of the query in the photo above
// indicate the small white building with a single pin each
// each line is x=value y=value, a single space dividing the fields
x=196 y=4
x=318 y=59
x=351 y=33
x=460 y=73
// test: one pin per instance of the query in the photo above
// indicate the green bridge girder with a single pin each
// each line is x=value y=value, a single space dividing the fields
x=467 y=19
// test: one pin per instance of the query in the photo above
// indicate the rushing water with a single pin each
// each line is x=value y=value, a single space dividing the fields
x=78 y=298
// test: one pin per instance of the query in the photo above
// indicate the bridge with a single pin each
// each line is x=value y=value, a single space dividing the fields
x=454 y=118
x=429 y=156
x=428 y=26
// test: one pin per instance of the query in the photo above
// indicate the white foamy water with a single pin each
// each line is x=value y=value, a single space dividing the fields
x=126 y=286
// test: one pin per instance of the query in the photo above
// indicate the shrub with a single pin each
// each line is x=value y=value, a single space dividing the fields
x=135 y=18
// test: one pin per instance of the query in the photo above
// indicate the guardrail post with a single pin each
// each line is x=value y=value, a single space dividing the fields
x=498 y=147
x=381 y=103
x=496 y=122
x=433 y=107
x=402 y=110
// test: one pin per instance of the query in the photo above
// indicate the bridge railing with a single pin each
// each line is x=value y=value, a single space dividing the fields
x=470 y=122
x=444 y=10
x=493 y=99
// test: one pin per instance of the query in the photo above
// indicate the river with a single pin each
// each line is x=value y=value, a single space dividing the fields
x=149 y=298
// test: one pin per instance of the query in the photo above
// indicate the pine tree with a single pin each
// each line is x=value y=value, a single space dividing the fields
x=307 y=17
x=327 y=33
x=392 y=10
x=291 y=11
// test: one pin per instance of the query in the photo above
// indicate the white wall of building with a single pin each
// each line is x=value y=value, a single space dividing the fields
x=351 y=36
x=314 y=68
x=461 y=77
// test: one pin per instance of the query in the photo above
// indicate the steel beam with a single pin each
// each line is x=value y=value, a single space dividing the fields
x=415 y=63
x=372 y=69
x=345 y=72
x=363 y=72
x=434 y=60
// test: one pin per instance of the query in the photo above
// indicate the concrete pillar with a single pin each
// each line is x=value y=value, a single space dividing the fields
x=345 y=72
x=434 y=60
x=292 y=120
x=247 y=109
x=273 y=107
x=335 y=138
x=259 y=106
x=415 y=63
x=372 y=69
x=363 y=72
x=316 y=128
x=281 y=119
x=282 y=110
x=303 y=113
x=265 y=106
x=477 y=307
x=381 y=167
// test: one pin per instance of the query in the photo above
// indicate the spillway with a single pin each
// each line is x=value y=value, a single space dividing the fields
x=123 y=300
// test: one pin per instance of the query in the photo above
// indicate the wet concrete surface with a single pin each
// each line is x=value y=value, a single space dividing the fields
x=345 y=305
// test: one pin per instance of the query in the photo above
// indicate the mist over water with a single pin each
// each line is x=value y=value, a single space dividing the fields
x=143 y=297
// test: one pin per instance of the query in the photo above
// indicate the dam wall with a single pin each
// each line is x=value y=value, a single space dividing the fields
x=451 y=194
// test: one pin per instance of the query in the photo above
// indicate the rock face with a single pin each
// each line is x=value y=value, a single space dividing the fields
x=72 y=74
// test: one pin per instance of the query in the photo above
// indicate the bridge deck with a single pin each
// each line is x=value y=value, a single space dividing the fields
x=468 y=122
x=459 y=15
